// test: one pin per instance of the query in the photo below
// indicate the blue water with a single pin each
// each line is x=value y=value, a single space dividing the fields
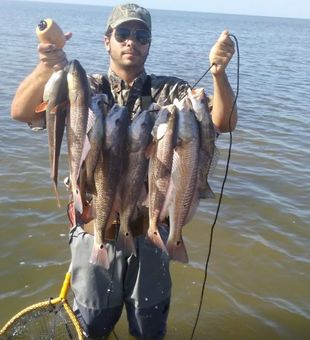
x=258 y=284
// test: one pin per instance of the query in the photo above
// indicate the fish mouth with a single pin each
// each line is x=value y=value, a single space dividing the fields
x=74 y=67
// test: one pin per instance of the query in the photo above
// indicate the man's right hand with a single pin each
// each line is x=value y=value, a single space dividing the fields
x=30 y=92
x=52 y=56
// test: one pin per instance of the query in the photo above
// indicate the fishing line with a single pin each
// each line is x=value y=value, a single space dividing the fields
x=199 y=80
x=223 y=184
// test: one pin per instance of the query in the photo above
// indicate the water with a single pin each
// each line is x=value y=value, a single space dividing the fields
x=258 y=283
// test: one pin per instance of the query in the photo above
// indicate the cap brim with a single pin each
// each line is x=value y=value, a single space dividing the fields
x=123 y=20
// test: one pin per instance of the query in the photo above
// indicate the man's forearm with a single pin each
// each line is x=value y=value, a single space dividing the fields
x=29 y=94
x=223 y=101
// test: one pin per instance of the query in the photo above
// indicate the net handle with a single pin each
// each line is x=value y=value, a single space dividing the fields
x=66 y=285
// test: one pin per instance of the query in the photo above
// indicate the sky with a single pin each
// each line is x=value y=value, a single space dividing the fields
x=277 y=8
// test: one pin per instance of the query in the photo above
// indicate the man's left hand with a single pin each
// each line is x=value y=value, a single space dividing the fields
x=221 y=53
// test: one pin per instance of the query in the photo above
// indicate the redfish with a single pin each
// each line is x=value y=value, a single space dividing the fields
x=134 y=176
x=160 y=169
x=79 y=121
x=107 y=176
x=182 y=198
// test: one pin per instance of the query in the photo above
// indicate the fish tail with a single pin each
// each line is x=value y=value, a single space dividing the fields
x=99 y=255
x=177 y=251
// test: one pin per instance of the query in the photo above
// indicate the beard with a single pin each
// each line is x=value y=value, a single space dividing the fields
x=128 y=58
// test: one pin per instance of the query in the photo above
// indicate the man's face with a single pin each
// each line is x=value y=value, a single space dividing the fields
x=130 y=53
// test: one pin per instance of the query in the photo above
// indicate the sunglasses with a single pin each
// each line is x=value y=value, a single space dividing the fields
x=142 y=36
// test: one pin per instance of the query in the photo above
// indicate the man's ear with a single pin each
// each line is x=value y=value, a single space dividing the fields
x=106 y=41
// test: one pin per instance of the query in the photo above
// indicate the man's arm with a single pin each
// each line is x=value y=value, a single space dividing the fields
x=30 y=92
x=223 y=97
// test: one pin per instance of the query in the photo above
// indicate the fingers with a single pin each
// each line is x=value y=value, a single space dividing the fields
x=224 y=36
x=68 y=35
x=51 y=56
x=225 y=43
x=222 y=52
x=222 y=56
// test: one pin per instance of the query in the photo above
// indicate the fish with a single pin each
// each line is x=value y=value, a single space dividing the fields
x=134 y=175
x=99 y=106
x=159 y=172
x=208 y=150
x=182 y=196
x=55 y=102
x=79 y=121
x=107 y=176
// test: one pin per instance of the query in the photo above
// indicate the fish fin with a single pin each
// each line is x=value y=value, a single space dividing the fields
x=168 y=200
x=155 y=238
x=143 y=198
x=99 y=255
x=206 y=192
x=193 y=206
x=149 y=150
x=177 y=251
x=41 y=107
x=86 y=148
x=175 y=170
x=91 y=119
x=56 y=108
x=161 y=130
x=145 y=202
x=215 y=158
x=175 y=164
x=125 y=242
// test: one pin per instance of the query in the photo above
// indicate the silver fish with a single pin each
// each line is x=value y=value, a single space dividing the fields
x=134 y=175
x=107 y=176
x=56 y=102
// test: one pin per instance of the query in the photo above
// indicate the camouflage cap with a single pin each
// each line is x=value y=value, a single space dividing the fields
x=129 y=12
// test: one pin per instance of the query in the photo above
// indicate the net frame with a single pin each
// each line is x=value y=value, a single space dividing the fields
x=60 y=301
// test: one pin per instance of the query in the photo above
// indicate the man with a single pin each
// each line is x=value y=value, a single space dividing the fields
x=141 y=281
